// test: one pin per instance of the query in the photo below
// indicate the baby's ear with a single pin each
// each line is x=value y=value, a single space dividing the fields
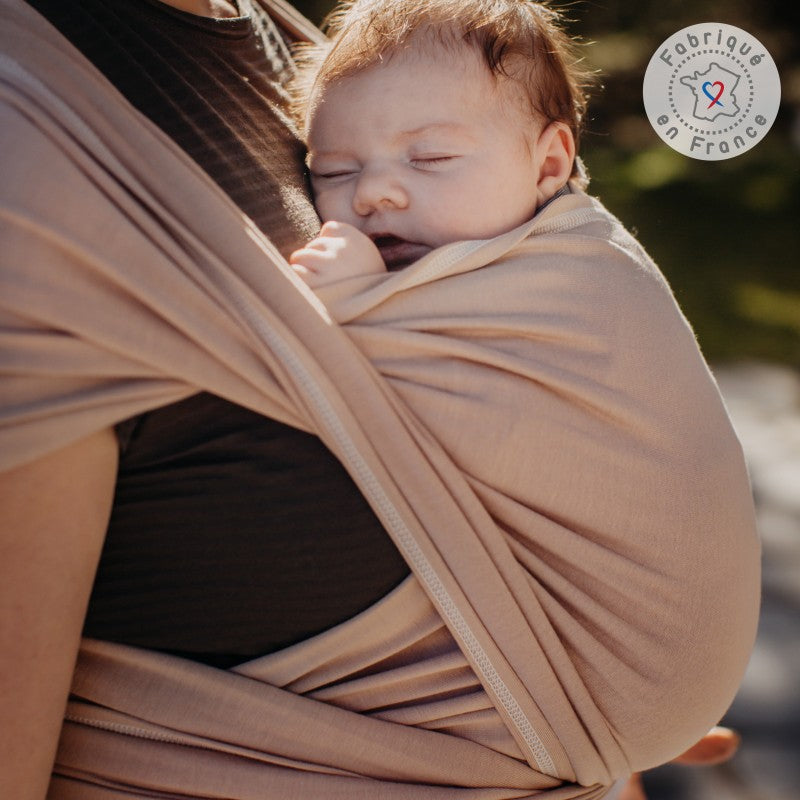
x=555 y=155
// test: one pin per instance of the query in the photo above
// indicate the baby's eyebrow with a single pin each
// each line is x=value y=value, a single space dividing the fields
x=437 y=127
x=313 y=155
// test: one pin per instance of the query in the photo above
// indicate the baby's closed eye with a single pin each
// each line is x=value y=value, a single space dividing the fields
x=432 y=161
x=333 y=174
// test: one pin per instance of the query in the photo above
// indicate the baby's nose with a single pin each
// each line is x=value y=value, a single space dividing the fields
x=378 y=188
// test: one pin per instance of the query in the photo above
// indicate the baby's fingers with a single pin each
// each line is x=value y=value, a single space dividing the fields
x=318 y=243
x=336 y=229
x=307 y=264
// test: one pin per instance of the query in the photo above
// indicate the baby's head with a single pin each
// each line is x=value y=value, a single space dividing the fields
x=431 y=122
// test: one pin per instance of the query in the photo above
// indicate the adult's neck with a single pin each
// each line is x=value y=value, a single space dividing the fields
x=206 y=8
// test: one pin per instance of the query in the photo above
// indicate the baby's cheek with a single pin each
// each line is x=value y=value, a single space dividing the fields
x=330 y=205
x=460 y=219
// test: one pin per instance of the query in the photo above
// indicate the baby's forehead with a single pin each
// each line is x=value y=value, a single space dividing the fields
x=422 y=72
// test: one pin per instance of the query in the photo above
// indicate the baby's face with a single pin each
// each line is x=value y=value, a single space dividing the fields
x=421 y=150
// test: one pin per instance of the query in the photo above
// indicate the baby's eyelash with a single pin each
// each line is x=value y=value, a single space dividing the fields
x=335 y=174
x=432 y=160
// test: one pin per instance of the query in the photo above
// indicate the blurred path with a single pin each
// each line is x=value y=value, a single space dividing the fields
x=764 y=403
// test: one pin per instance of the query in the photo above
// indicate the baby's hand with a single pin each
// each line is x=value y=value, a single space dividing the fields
x=340 y=251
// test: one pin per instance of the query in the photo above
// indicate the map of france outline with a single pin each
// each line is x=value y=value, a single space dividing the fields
x=725 y=102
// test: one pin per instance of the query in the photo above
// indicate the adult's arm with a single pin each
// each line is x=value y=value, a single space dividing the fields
x=53 y=518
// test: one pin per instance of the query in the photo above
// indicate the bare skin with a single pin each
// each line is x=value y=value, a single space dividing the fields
x=461 y=160
x=53 y=518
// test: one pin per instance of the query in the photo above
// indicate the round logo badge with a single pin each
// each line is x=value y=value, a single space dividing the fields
x=711 y=91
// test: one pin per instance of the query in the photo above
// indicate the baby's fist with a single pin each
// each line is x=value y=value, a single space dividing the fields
x=339 y=251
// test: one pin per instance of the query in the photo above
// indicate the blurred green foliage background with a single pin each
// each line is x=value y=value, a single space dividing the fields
x=725 y=233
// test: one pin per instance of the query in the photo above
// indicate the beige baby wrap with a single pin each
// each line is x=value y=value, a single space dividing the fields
x=540 y=438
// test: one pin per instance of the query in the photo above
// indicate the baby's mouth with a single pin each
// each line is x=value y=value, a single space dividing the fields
x=396 y=252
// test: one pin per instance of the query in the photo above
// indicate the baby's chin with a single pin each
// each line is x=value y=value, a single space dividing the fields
x=399 y=253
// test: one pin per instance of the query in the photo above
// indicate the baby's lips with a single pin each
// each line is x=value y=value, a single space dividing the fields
x=385 y=239
x=396 y=252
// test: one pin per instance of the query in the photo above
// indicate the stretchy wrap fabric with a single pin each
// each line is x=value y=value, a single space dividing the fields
x=540 y=437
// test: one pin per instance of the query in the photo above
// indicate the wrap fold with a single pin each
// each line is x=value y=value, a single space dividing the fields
x=529 y=417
